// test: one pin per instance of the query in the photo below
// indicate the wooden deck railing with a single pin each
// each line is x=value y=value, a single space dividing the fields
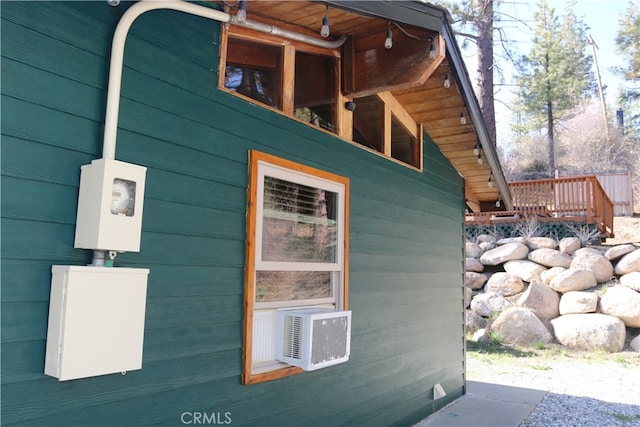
x=579 y=198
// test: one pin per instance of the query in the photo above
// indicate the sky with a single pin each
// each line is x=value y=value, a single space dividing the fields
x=601 y=16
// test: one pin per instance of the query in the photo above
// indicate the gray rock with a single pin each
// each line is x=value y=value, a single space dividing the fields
x=541 y=242
x=508 y=240
x=597 y=264
x=518 y=325
x=550 y=257
x=591 y=331
x=487 y=246
x=482 y=238
x=575 y=302
x=541 y=299
x=474 y=280
x=548 y=275
x=631 y=280
x=481 y=335
x=488 y=304
x=526 y=270
x=629 y=263
x=618 y=251
x=468 y=294
x=588 y=250
x=505 y=284
x=472 y=250
x=474 y=321
x=472 y=264
x=504 y=253
x=623 y=303
x=569 y=245
x=635 y=344
x=573 y=280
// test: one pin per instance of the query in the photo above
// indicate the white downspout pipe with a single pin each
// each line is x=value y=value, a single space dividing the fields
x=117 y=58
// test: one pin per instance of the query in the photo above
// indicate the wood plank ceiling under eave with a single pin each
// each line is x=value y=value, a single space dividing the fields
x=437 y=108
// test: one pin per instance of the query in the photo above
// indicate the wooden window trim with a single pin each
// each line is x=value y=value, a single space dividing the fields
x=250 y=251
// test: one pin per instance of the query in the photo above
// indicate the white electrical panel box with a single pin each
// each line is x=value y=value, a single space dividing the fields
x=96 y=321
x=110 y=206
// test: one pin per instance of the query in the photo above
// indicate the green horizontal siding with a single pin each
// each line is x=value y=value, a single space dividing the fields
x=406 y=266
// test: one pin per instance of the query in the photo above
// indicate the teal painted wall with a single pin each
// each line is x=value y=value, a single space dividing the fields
x=406 y=234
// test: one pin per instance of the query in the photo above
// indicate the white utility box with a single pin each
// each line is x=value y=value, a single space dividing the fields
x=110 y=206
x=96 y=321
x=313 y=338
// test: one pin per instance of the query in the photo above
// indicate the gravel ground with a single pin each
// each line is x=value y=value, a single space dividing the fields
x=586 y=390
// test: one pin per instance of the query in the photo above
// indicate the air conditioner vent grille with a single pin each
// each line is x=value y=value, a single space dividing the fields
x=293 y=337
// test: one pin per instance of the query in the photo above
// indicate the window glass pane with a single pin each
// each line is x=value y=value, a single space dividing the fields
x=368 y=120
x=292 y=285
x=315 y=90
x=299 y=223
x=404 y=145
x=254 y=70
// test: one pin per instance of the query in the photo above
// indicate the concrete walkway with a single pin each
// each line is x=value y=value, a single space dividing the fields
x=487 y=405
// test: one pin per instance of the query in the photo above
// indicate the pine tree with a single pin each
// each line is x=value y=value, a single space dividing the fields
x=556 y=75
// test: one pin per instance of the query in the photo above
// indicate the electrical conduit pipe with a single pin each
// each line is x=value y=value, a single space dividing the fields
x=117 y=58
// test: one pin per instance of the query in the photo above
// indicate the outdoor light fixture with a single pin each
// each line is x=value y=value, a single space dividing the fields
x=498 y=203
x=388 y=42
x=324 y=30
x=241 y=16
x=479 y=158
x=476 y=149
x=490 y=182
x=447 y=82
x=432 y=51
x=463 y=119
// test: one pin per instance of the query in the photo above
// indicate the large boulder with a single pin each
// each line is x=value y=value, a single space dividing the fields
x=508 y=240
x=629 y=263
x=505 y=284
x=573 y=280
x=575 y=302
x=472 y=250
x=597 y=264
x=519 y=325
x=474 y=321
x=548 y=275
x=587 y=250
x=569 y=245
x=541 y=299
x=635 y=344
x=619 y=251
x=468 y=294
x=631 y=280
x=504 y=253
x=488 y=304
x=486 y=246
x=623 y=303
x=526 y=270
x=550 y=257
x=472 y=264
x=591 y=331
x=541 y=242
x=474 y=280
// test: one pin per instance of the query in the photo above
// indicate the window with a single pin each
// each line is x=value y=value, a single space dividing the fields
x=303 y=81
x=296 y=252
x=254 y=70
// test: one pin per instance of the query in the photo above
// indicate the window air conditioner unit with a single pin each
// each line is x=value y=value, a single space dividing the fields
x=313 y=338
